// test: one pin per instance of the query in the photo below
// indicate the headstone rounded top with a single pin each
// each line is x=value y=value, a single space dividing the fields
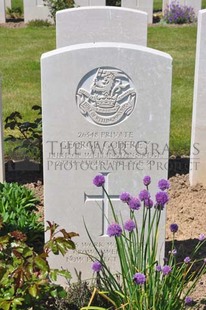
x=202 y=11
x=100 y=24
x=100 y=8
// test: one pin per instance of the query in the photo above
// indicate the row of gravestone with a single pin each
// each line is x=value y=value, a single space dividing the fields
x=106 y=109
x=35 y=9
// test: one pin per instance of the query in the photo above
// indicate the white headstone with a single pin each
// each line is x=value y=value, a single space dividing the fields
x=142 y=5
x=90 y=2
x=106 y=109
x=2 y=170
x=2 y=12
x=100 y=24
x=195 y=4
x=8 y=3
x=198 y=140
x=35 y=9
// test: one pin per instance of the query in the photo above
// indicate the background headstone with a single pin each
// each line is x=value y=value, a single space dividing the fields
x=103 y=24
x=8 y=3
x=2 y=12
x=106 y=109
x=195 y=4
x=142 y=5
x=2 y=169
x=35 y=9
x=198 y=140
x=90 y=2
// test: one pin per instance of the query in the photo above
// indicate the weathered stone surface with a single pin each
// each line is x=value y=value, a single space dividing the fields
x=100 y=24
x=35 y=9
x=198 y=141
x=106 y=109
x=90 y=2
x=2 y=11
x=142 y=5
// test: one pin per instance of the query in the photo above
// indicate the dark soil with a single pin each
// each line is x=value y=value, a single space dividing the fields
x=14 y=23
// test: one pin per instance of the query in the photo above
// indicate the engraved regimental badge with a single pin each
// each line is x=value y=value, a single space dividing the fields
x=106 y=96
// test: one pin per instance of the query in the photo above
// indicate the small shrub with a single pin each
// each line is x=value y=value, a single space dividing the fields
x=18 y=211
x=157 y=17
x=14 y=13
x=39 y=23
x=28 y=135
x=177 y=14
x=25 y=276
x=57 y=5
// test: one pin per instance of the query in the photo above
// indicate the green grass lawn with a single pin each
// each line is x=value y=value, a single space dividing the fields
x=21 y=49
x=179 y=42
x=157 y=5
x=17 y=3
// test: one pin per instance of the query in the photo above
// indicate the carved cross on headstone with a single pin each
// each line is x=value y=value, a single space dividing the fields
x=104 y=203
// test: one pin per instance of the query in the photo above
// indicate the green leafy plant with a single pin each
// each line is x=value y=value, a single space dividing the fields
x=143 y=281
x=28 y=135
x=18 y=211
x=25 y=276
x=15 y=13
x=38 y=23
x=113 y=2
x=57 y=5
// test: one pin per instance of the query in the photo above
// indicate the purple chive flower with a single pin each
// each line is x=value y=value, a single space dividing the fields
x=163 y=184
x=96 y=266
x=143 y=195
x=148 y=203
x=129 y=225
x=134 y=203
x=201 y=237
x=174 y=252
x=179 y=14
x=114 y=230
x=165 y=259
x=166 y=269
x=174 y=228
x=188 y=300
x=161 y=198
x=187 y=260
x=99 y=180
x=147 y=180
x=158 y=268
x=139 y=278
x=125 y=197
